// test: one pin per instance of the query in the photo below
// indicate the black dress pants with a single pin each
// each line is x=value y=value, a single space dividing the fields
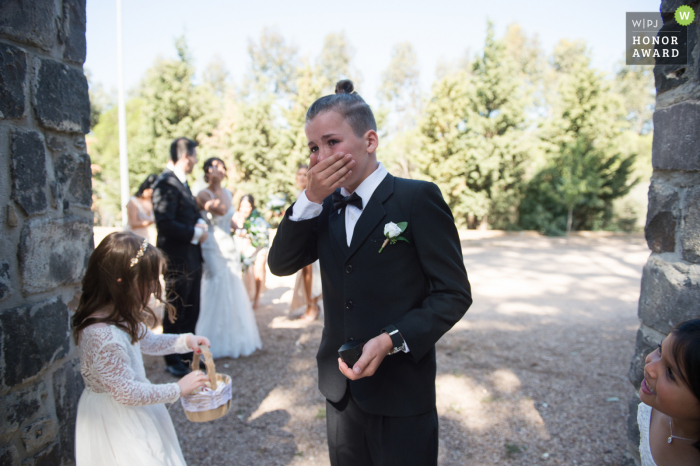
x=356 y=438
x=183 y=289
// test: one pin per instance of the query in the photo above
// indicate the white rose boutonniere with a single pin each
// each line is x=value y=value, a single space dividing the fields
x=392 y=231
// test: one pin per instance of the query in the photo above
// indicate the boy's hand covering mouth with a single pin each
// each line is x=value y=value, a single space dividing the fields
x=326 y=176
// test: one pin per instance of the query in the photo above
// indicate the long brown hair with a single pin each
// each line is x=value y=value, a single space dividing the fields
x=111 y=283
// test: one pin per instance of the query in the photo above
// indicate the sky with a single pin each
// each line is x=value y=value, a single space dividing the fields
x=438 y=30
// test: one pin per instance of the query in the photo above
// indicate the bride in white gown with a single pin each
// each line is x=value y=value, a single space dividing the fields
x=226 y=316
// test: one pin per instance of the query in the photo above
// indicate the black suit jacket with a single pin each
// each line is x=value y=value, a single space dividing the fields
x=421 y=287
x=176 y=214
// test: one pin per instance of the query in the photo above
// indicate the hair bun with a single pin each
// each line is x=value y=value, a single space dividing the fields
x=344 y=86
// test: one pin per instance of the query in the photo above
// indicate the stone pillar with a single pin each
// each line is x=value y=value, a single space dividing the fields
x=670 y=292
x=45 y=199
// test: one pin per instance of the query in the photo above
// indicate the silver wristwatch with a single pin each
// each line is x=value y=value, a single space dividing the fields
x=396 y=339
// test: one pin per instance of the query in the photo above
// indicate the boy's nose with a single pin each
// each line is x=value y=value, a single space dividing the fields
x=323 y=154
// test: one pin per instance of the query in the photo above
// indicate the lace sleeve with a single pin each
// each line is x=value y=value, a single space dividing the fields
x=160 y=345
x=112 y=365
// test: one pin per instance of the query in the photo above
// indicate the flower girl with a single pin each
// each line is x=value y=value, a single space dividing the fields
x=669 y=415
x=122 y=420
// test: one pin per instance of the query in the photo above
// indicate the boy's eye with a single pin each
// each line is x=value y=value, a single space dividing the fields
x=332 y=142
x=313 y=149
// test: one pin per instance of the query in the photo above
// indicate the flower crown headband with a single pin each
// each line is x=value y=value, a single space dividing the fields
x=139 y=254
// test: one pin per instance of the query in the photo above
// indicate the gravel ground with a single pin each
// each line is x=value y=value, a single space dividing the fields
x=535 y=373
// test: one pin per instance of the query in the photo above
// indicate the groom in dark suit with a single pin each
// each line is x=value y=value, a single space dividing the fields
x=400 y=301
x=181 y=230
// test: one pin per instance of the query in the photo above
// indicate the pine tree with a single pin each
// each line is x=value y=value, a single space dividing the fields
x=400 y=101
x=588 y=166
x=174 y=107
x=474 y=130
x=335 y=62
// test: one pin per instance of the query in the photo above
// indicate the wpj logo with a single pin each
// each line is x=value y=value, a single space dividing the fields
x=684 y=15
x=650 y=41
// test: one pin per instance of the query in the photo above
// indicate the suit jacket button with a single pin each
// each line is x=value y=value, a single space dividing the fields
x=348 y=305
x=348 y=269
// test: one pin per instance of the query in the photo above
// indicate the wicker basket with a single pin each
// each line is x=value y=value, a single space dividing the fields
x=211 y=404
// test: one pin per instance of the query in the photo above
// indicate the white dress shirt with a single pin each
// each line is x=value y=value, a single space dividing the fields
x=304 y=209
x=182 y=176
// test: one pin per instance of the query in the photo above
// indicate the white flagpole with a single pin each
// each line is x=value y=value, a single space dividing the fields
x=121 y=110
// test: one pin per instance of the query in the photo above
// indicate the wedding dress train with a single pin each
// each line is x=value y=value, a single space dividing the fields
x=226 y=316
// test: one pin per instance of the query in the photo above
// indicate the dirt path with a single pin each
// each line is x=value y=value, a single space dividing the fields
x=534 y=374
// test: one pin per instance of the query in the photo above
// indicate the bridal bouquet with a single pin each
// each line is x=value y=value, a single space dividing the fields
x=256 y=227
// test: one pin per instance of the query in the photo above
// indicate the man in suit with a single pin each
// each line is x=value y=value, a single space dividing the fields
x=181 y=230
x=400 y=301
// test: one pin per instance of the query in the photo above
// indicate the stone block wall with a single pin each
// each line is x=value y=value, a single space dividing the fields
x=670 y=291
x=46 y=222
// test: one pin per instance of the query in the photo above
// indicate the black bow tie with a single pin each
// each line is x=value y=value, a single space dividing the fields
x=340 y=201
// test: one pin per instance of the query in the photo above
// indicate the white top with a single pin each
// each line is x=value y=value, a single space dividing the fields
x=304 y=209
x=644 y=421
x=109 y=363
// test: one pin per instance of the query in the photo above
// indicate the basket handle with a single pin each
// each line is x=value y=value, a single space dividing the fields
x=209 y=362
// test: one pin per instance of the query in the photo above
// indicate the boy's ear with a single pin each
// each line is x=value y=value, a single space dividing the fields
x=371 y=141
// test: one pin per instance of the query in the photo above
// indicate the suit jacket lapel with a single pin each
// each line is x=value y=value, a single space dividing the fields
x=372 y=214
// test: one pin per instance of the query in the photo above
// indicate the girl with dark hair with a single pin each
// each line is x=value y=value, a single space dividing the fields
x=252 y=233
x=122 y=420
x=226 y=316
x=139 y=209
x=669 y=414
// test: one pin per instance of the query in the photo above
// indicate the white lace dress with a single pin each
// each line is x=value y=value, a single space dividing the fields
x=644 y=420
x=226 y=315
x=122 y=420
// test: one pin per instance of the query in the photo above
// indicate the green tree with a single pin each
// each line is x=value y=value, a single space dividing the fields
x=100 y=101
x=588 y=166
x=475 y=138
x=167 y=105
x=273 y=64
x=294 y=148
x=216 y=77
x=335 y=62
x=174 y=107
x=636 y=86
x=400 y=99
x=261 y=132
x=103 y=147
x=400 y=88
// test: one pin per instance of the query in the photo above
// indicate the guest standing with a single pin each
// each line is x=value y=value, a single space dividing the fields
x=252 y=228
x=139 y=209
x=307 y=289
x=181 y=230
x=226 y=315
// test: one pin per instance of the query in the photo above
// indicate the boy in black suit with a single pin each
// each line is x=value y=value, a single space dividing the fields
x=180 y=232
x=400 y=301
